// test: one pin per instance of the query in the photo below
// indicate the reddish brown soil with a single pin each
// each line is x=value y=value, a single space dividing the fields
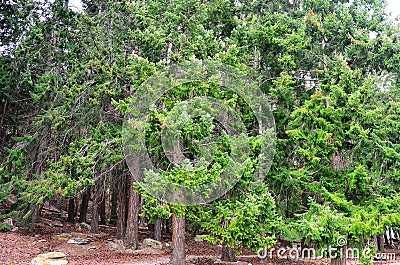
x=22 y=246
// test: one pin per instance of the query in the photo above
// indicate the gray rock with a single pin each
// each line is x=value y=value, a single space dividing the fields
x=92 y=247
x=168 y=245
x=78 y=241
x=152 y=243
x=86 y=226
x=65 y=235
x=51 y=258
x=57 y=224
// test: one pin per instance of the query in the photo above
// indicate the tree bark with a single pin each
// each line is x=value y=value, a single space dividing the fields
x=71 y=210
x=122 y=208
x=103 y=209
x=114 y=205
x=84 y=205
x=158 y=230
x=340 y=260
x=381 y=243
x=132 y=226
x=228 y=254
x=95 y=210
x=178 y=240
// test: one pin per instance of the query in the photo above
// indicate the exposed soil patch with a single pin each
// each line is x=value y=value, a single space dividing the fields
x=22 y=246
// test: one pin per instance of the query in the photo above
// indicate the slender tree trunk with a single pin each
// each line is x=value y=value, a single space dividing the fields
x=340 y=260
x=178 y=240
x=3 y=132
x=158 y=230
x=71 y=210
x=37 y=211
x=228 y=254
x=166 y=225
x=132 y=226
x=95 y=210
x=114 y=206
x=103 y=209
x=381 y=242
x=84 y=205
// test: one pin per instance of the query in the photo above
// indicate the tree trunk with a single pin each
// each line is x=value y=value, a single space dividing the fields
x=228 y=254
x=84 y=205
x=381 y=243
x=178 y=240
x=71 y=210
x=114 y=206
x=158 y=230
x=166 y=225
x=340 y=260
x=122 y=208
x=95 y=210
x=37 y=212
x=103 y=209
x=132 y=226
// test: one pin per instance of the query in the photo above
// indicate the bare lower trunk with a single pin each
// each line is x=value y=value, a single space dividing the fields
x=84 y=205
x=341 y=257
x=381 y=243
x=158 y=230
x=132 y=226
x=122 y=208
x=228 y=254
x=338 y=261
x=71 y=210
x=37 y=211
x=95 y=210
x=103 y=210
x=178 y=240
x=114 y=206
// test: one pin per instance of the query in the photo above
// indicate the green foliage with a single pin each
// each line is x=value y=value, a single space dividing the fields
x=247 y=220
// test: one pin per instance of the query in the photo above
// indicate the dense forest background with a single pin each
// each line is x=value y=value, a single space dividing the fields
x=329 y=68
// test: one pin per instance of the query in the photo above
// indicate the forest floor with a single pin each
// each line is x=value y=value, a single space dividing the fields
x=21 y=246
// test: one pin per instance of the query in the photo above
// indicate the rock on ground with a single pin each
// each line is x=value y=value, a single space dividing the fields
x=51 y=258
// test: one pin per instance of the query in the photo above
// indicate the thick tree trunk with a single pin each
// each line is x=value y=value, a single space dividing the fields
x=132 y=226
x=71 y=210
x=122 y=208
x=84 y=205
x=158 y=230
x=178 y=240
x=228 y=254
